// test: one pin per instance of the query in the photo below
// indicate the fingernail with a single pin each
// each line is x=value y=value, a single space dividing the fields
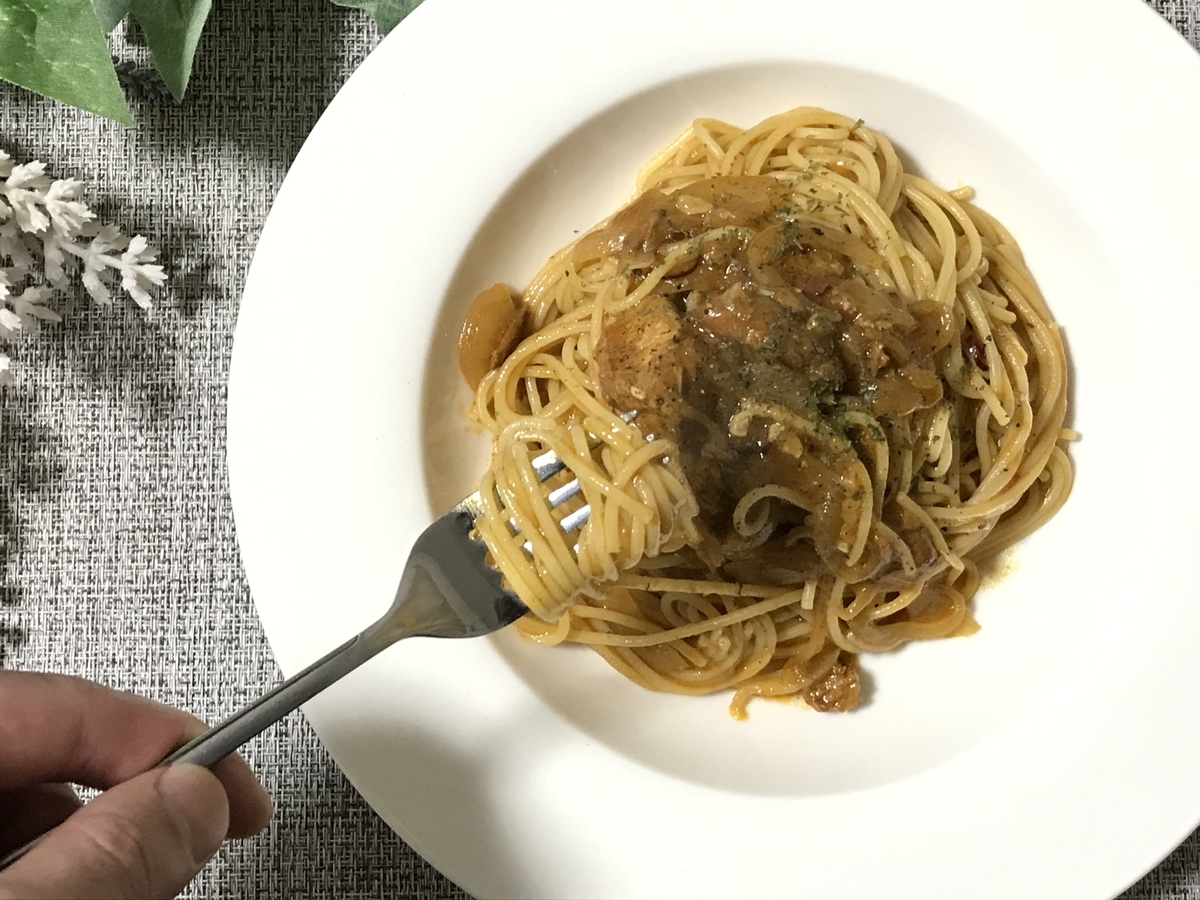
x=196 y=801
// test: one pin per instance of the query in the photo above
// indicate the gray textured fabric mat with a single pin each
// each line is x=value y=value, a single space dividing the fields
x=119 y=556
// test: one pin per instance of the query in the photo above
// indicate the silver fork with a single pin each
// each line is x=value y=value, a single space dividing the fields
x=448 y=590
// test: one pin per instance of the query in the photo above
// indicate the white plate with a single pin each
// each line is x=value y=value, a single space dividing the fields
x=1051 y=755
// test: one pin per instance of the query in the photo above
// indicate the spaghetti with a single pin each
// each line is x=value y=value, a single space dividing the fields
x=849 y=391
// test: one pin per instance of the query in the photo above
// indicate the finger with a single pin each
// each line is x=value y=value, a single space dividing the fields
x=26 y=813
x=145 y=838
x=250 y=806
x=56 y=728
x=60 y=728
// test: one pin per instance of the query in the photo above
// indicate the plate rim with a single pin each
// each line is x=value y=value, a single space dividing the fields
x=431 y=16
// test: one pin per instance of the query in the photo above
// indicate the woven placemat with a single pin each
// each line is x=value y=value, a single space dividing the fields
x=120 y=560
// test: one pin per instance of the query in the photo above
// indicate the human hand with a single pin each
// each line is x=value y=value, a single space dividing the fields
x=151 y=830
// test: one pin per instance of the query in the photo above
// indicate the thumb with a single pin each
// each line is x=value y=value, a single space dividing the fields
x=145 y=838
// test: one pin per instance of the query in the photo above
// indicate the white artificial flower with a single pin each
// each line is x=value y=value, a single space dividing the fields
x=10 y=322
x=54 y=261
x=45 y=220
x=29 y=177
x=94 y=284
x=25 y=190
x=66 y=212
x=13 y=244
x=30 y=306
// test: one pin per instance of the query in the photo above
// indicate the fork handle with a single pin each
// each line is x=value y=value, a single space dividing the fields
x=215 y=744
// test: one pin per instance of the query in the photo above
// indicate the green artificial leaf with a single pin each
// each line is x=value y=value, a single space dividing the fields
x=386 y=13
x=110 y=12
x=56 y=48
x=172 y=29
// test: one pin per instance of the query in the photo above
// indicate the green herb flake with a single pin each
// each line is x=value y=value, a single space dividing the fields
x=766 y=346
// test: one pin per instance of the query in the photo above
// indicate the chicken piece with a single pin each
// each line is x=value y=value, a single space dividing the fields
x=639 y=364
x=735 y=315
x=837 y=691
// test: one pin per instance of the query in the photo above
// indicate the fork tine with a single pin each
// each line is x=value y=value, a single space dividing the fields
x=546 y=465
x=561 y=495
x=574 y=520
x=558 y=497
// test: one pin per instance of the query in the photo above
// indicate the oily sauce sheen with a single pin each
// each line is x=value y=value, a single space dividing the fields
x=772 y=312
x=849 y=395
